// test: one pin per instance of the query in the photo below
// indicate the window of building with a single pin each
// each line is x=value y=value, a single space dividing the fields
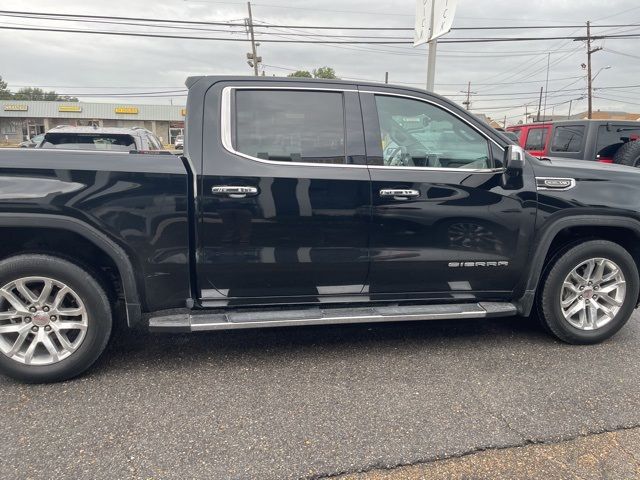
x=536 y=139
x=419 y=134
x=290 y=126
x=567 y=138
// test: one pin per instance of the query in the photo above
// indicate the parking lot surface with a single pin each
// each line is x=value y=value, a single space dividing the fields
x=316 y=401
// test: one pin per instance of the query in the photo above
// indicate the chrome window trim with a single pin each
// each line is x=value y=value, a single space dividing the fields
x=225 y=126
x=227 y=143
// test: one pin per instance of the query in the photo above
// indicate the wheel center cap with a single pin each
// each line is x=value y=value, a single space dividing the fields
x=41 y=319
x=587 y=293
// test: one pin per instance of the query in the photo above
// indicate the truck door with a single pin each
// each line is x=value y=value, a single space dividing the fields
x=442 y=222
x=285 y=205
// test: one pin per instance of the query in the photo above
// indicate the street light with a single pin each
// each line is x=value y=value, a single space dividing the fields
x=603 y=68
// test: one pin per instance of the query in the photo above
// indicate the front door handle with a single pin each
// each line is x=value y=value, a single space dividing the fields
x=234 y=191
x=399 y=193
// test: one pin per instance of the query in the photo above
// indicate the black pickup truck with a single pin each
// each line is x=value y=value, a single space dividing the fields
x=301 y=202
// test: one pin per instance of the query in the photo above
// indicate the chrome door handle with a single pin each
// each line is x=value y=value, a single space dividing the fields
x=234 y=191
x=399 y=193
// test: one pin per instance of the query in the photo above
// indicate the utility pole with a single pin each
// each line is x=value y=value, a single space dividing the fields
x=570 y=102
x=539 y=105
x=504 y=124
x=252 y=58
x=526 y=113
x=386 y=77
x=467 y=102
x=590 y=51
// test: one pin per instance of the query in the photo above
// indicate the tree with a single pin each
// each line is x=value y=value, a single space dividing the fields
x=300 y=74
x=324 y=72
x=31 y=93
x=5 y=93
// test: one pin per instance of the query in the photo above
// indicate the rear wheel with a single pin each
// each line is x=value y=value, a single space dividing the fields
x=55 y=319
x=590 y=292
x=628 y=154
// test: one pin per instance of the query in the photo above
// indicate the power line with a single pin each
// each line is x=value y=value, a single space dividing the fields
x=68 y=17
x=350 y=42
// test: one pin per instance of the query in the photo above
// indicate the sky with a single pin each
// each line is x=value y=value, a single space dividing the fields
x=504 y=76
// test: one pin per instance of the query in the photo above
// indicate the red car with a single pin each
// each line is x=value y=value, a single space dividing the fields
x=534 y=137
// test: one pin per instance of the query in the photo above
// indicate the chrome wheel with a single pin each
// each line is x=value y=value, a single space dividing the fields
x=42 y=321
x=593 y=293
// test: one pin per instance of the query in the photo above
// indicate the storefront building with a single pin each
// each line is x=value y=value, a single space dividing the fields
x=20 y=120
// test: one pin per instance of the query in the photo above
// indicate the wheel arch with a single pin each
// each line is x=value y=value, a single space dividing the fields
x=98 y=239
x=564 y=231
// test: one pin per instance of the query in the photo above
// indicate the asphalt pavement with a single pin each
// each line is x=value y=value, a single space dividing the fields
x=316 y=401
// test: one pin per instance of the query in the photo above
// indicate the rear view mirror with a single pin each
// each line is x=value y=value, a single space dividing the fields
x=514 y=157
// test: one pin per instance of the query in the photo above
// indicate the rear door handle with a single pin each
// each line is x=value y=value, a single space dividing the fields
x=399 y=193
x=234 y=191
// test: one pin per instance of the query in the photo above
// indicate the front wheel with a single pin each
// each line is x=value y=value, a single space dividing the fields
x=590 y=292
x=55 y=319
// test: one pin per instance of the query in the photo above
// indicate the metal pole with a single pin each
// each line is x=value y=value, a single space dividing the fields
x=253 y=42
x=431 y=65
x=386 y=77
x=539 y=105
x=546 y=88
x=433 y=46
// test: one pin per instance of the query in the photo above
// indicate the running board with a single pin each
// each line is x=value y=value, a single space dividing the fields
x=189 y=322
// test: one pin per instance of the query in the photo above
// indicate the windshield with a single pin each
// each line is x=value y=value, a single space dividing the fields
x=89 y=141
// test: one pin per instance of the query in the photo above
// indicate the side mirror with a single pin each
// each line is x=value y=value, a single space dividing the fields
x=514 y=157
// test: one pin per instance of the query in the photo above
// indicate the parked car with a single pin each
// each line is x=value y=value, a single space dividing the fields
x=306 y=203
x=513 y=136
x=607 y=141
x=32 y=142
x=179 y=145
x=101 y=138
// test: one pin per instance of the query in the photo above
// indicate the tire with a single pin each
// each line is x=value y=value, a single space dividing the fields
x=628 y=154
x=579 y=327
x=78 y=328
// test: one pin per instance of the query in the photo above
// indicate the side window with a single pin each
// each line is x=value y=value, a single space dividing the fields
x=418 y=134
x=536 y=139
x=567 y=138
x=290 y=126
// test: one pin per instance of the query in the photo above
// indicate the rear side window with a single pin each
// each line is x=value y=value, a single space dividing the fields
x=568 y=138
x=612 y=137
x=536 y=139
x=290 y=126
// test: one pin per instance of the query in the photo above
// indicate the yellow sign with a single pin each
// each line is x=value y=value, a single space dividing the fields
x=69 y=108
x=15 y=108
x=183 y=112
x=127 y=110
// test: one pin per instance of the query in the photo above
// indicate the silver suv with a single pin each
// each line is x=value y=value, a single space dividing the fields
x=101 y=138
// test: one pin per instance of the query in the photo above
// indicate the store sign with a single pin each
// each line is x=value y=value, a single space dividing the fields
x=127 y=110
x=13 y=107
x=70 y=108
x=183 y=112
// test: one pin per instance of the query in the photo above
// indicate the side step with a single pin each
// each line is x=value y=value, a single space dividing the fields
x=190 y=322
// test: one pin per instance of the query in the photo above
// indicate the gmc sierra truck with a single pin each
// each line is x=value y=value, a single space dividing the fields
x=305 y=202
